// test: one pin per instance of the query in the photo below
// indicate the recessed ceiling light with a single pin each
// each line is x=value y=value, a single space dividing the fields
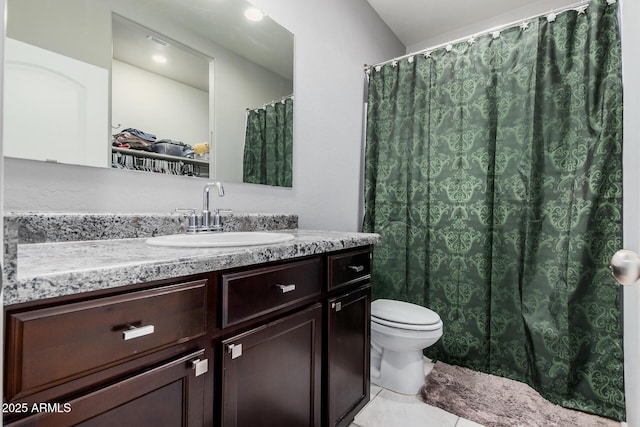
x=160 y=59
x=253 y=14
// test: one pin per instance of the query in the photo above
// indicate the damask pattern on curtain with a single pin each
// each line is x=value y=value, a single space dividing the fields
x=493 y=174
x=268 y=145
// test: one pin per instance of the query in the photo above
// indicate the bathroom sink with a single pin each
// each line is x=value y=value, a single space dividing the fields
x=219 y=240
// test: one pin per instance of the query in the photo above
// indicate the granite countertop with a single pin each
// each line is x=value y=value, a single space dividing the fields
x=47 y=270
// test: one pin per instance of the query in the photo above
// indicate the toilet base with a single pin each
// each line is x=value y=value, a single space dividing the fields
x=402 y=372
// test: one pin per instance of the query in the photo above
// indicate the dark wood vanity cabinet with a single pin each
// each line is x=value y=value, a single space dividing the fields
x=347 y=360
x=279 y=344
x=348 y=330
x=272 y=367
x=134 y=357
x=308 y=368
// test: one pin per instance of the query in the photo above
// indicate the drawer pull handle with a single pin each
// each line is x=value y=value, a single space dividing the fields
x=287 y=288
x=356 y=268
x=134 y=332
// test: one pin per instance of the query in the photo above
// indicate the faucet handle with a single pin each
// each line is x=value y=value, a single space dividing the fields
x=192 y=224
x=217 y=222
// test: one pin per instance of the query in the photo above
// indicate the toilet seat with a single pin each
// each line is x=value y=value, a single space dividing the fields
x=404 y=315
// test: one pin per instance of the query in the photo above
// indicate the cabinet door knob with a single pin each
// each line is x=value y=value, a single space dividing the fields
x=235 y=350
x=337 y=306
x=134 y=332
x=287 y=288
x=356 y=268
x=200 y=366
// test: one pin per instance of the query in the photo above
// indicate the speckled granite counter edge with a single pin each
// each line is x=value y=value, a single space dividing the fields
x=42 y=227
x=87 y=280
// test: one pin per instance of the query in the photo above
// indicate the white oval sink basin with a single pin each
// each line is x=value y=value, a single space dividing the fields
x=219 y=240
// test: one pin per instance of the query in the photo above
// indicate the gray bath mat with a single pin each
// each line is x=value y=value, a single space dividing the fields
x=498 y=402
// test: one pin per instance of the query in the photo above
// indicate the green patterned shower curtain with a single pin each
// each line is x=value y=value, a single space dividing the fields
x=493 y=173
x=268 y=145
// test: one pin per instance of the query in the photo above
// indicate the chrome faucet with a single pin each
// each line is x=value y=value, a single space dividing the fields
x=205 y=221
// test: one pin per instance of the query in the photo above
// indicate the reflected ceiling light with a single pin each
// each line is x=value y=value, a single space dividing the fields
x=253 y=14
x=160 y=59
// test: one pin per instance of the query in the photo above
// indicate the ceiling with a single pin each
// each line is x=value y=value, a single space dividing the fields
x=416 y=21
x=265 y=43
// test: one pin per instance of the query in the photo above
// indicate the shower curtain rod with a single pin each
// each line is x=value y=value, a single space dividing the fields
x=275 y=101
x=551 y=14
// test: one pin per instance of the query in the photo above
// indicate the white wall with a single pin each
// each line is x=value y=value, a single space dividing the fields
x=631 y=217
x=334 y=39
x=151 y=103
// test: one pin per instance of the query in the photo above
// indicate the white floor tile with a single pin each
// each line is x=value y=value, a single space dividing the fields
x=375 y=390
x=390 y=409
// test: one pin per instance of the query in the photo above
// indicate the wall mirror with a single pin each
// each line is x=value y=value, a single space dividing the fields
x=78 y=72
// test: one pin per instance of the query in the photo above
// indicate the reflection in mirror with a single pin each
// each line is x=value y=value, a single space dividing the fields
x=68 y=120
x=55 y=107
x=155 y=80
x=268 y=144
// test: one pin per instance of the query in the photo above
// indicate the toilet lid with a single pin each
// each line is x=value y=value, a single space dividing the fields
x=403 y=313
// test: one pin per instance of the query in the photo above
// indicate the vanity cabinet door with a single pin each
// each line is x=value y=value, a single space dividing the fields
x=347 y=358
x=271 y=375
x=170 y=395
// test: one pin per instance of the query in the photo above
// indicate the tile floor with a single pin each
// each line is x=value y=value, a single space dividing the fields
x=389 y=409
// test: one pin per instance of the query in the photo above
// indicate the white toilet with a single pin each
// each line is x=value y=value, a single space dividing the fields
x=399 y=333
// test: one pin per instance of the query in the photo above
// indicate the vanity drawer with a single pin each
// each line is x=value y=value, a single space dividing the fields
x=349 y=267
x=49 y=346
x=253 y=293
